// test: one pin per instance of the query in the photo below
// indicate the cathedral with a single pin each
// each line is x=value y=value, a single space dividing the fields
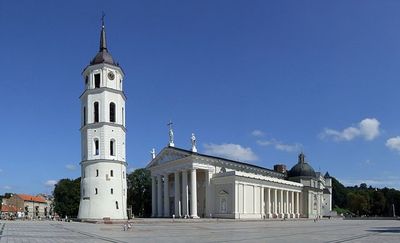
x=185 y=183
x=103 y=164
x=189 y=184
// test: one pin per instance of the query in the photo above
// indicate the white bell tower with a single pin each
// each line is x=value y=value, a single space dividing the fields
x=103 y=165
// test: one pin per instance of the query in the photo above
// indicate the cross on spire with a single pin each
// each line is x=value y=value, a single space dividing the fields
x=103 y=44
x=102 y=19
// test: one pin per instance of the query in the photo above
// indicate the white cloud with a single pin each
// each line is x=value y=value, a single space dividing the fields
x=7 y=187
x=257 y=133
x=367 y=129
x=280 y=145
x=288 y=147
x=230 y=150
x=50 y=183
x=393 y=143
x=70 y=167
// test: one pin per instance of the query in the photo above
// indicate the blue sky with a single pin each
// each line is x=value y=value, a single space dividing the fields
x=258 y=81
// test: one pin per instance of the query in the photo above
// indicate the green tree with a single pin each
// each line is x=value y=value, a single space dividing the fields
x=339 y=194
x=378 y=203
x=139 y=192
x=66 y=197
x=357 y=203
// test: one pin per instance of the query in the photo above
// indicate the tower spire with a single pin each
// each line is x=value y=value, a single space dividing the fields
x=103 y=43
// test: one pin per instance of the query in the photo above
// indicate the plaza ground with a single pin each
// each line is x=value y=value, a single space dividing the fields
x=166 y=230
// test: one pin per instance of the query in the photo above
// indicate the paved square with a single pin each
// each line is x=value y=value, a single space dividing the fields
x=151 y=230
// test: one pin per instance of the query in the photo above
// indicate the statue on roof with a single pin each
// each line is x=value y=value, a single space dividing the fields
x=302 y=158
x=193 y=141
x=171 y=135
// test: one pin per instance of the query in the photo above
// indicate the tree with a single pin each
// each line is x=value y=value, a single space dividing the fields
x=378 y=203
x=139 y=192
x=66 y=197
x=357 y=203
x=339 y=194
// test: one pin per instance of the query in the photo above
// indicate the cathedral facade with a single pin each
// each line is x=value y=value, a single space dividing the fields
x=103 y=164
x=189 y=184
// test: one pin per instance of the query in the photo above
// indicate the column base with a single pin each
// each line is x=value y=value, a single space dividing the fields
x=269 y=216
x=194 y=216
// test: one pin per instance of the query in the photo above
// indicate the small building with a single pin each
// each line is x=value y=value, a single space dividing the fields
x=34 y=207
x=10 y=212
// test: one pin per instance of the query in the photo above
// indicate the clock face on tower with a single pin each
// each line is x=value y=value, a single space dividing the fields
x=111 y=75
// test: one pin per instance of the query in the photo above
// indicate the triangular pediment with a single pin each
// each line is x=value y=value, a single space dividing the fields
x=168 y=154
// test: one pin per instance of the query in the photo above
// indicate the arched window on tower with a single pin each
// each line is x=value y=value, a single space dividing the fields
x=97 y=80
x=112 y=112
x=116 y=204
x=96 y=147
x=123 y=117
x=96 y=112
x=95 y=191
x=84 y=115
x=112 y=147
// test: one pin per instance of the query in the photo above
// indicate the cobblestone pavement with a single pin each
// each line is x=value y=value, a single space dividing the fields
x=164 y=230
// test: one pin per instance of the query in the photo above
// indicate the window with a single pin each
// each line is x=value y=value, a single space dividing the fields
x=112 y=148
x=123 y=116
x=97 y=80
x=120 y=84
x=111 y=173
x=112 y=112
x=123 y=174
x=97 y=173
x=116 y=204
x=95 y=191
x=84 y=115
x=96 y=147
x=96 y=112
x=112 y=191
x=86 y=81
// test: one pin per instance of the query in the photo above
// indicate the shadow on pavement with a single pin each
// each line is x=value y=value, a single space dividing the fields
x=385 y=230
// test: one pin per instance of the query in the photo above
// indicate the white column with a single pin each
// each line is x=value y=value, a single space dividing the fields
x=276 y=202
x=185 y=194
x=208 y=193
x=298 y=204
x=159 y=196
x=177 y=195
x=292 y=205
x=166 y=196
x=287 y=204
x=281 y=205
x=153 y=197
x=268 y=202
x=262 y=202
x=193 y=198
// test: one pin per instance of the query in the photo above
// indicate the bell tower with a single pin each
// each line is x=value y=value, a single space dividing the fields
x=103 y=158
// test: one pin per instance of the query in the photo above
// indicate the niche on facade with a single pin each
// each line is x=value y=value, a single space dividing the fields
x=223 y=201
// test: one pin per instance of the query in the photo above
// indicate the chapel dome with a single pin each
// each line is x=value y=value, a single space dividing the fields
x=302 y=168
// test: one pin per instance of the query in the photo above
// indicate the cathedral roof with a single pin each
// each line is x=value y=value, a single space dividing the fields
x=103 y=56
x=302 y=169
